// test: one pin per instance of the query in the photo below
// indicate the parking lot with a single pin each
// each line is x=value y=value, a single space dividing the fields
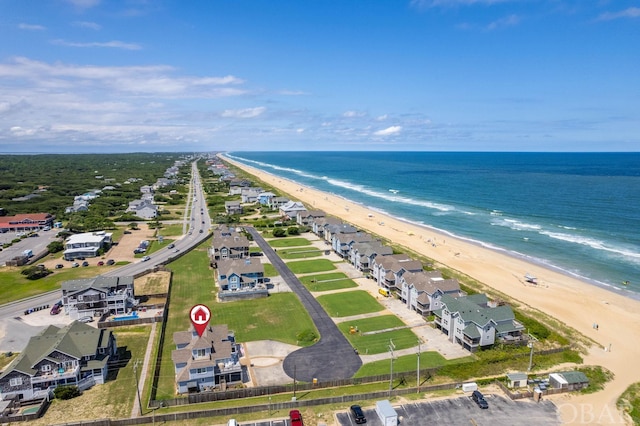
x=36 y=244
x=463 y=411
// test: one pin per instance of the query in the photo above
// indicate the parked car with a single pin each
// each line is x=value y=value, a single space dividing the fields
x=295 y=418
x=144 y=259
x=358 y=414
x=111 y=262
x=100 y=263
x=75 y=264
x=171 y=246
x=478 y=398
x=59 y=266
x=86 y=319
x=85 y=263
x=201 y=231
x=55 y=310
x=232 y=422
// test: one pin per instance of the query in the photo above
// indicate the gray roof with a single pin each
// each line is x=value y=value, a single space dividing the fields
x=99 y=283
x=473 y=308
x=76 y=340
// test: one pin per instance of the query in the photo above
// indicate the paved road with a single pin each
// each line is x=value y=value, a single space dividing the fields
x=15 y=334
x=332 y=357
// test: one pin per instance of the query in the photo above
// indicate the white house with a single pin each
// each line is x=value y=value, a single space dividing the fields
x=87 y=244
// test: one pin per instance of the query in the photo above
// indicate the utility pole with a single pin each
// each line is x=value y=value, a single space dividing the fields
x=135 y=374
x=418 y=369
x=530 y=345
x=391 y=348
x=294 y=382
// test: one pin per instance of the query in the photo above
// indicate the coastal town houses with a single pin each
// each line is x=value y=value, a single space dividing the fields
x=341 y=243
x=291 y=209
x=321 y=224
x=362 y=254
x=333 y=229
x=228 y=243
x=473 y=323
x=236 y=185
x=87 y=244
x=206 y=362
x=98 y=296
x=387 y=270
x=306 y=218
x=143 y=208
x=422 y=291
x=26 y=222
x=264 y=198
x=76 y=354
x=250 y=195
x=239 y=274
x=276 y=202
x=233 y=207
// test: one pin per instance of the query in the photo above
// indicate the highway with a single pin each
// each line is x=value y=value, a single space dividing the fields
x=15 y=334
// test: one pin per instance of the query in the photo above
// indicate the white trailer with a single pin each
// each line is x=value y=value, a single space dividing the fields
x=386 y=413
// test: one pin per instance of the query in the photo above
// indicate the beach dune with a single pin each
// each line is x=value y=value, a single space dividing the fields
x=573 y=302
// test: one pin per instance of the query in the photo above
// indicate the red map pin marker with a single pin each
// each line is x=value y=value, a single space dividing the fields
x=200 y=315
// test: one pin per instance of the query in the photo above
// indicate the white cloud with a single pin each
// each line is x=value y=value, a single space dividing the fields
x=508 y=21
x=31 y=27
x=382 y=117
x=111 y=44
x=19 y=131
x=353 y=114
x=393 y=130
x=632 y=12
x=244 y=113
x=89 y=25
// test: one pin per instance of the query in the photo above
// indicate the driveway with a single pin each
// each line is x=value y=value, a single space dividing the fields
x=332 y=357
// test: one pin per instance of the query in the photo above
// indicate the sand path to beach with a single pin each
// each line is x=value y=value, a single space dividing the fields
x=569 y=300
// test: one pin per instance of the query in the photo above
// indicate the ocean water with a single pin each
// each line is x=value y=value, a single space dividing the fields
x=575 y=212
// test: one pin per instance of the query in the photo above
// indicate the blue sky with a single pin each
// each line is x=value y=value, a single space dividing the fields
x=454 y=75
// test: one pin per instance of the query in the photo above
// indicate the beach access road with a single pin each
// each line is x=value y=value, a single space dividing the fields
x=332 y=357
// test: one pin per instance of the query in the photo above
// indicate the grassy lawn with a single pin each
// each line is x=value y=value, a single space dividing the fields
x=278 y=317
x=289 y=242
x=269 y=270
x=155 y=245
x=14 y=285
x=115 y=398
x=174 y=230
x=406 y=363
x=368 y=344
x=349 y=303
x=326 y=282
x=300 y=253
x=310 y=266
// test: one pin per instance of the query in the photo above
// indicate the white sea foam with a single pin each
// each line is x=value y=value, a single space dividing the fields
x=594 y=244
x=516 y=225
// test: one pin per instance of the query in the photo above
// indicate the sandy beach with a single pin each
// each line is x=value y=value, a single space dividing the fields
x=573 y=302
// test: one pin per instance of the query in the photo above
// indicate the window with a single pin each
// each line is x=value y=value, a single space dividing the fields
x=45 y=368
x=201 y=370
x=16 y=381
x=200 y=352
x=80 y=298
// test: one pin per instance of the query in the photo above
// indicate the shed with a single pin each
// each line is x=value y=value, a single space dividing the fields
x=517 y=380
x=386 y=413
x=570 y=380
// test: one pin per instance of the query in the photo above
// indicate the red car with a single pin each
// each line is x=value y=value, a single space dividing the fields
x=296 y=418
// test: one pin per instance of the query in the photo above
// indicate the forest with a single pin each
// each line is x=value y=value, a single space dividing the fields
x=49 y=183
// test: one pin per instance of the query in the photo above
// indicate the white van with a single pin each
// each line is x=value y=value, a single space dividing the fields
x=232 y=422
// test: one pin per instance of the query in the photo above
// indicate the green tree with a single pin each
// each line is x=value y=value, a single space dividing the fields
x=66 y=392
x=55 y=246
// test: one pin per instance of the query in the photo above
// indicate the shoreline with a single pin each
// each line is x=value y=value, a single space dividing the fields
x=565 y=298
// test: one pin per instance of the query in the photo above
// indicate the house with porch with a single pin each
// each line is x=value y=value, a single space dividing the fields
x=76 y=354
x=387 y=270
x=291 y=209
x=341 y=243
x=306 y=218
x=206 y=362
x=276 y=202
x=98 y=296
x=88 y=244
x=233 y=207
x=227 y=243
x=362 y=254
x=239 y=274
x=264 y=198
x=320 y=225
x=473 y=323
x=250 y=195
x=422 y=291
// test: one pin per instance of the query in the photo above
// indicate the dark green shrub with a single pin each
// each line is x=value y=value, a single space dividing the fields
x=66 y=392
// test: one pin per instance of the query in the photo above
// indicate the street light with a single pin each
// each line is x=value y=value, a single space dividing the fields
x=530 y=345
